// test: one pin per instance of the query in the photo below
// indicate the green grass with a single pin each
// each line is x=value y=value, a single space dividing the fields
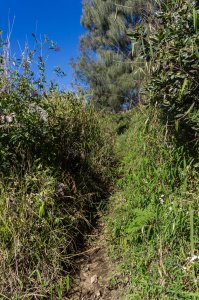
x=53 y=176
x=154 y=227
x=56 y=167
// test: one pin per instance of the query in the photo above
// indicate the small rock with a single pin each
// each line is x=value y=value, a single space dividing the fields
x=98 y=294
x=94 y=279
x=84 y=274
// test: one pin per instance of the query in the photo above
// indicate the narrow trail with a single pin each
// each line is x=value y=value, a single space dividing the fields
x=95 y=272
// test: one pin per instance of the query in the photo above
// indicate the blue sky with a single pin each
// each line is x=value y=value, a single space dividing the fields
x=59 y=19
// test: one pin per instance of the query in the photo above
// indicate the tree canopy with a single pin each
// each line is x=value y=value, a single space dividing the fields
x=105 y=62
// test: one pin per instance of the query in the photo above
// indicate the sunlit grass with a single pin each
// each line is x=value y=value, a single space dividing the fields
x=155 y=226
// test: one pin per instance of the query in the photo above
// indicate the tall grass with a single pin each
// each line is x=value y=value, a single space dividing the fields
x=55 y=168
x=52 y=179
x=154 y=226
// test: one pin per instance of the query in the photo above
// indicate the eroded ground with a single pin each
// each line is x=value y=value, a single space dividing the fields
x=95 y=277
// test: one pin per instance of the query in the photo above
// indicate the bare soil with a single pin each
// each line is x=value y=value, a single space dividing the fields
x=95 y=276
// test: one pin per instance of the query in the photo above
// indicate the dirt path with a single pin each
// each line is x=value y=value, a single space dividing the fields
x=94 y=279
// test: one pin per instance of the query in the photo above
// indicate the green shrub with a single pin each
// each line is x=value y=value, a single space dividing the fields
x=55 y=167
x=58 y=130
x=171 y=50
x=54 y=172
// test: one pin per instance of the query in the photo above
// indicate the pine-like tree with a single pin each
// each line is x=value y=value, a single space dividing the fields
x=105 y=62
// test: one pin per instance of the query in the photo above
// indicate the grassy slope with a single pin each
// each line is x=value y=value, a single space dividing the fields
x=52 y=176
x=154 y=227
x=46 y=207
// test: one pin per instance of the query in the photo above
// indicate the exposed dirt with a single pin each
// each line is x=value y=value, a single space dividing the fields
x=95 y=277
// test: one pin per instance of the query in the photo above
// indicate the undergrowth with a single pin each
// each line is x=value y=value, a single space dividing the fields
x=154 y=223
x=56 y=167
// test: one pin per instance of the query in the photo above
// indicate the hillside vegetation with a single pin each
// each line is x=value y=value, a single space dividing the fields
x=53 y=174
x=154 y=224
x=63 y=156
x=55 y=168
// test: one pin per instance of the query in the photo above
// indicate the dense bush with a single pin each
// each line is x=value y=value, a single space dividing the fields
x=56 y=129
x=172 y=54
x=55 y=168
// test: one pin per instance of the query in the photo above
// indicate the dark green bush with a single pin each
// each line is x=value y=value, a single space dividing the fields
x=172 y=53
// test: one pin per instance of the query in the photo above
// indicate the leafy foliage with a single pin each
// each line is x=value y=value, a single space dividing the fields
x=172 y=48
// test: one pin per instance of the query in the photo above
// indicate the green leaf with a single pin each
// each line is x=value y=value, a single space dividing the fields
x=184 y=86
x=190 y=109
x=42 y=210
x=195 y=19
x=67 y=283
x=197 y=53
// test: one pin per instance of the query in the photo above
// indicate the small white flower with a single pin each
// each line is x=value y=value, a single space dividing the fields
x=2 y=119
x=161 y=201
x=184 y=269
x=193 y=258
